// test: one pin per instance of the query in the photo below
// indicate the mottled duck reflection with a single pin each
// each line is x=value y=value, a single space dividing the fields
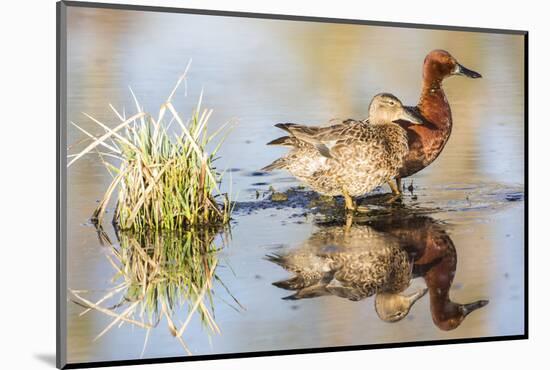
x=379 y=258
x=158 y=274
x=435 y=260
x=352 y=263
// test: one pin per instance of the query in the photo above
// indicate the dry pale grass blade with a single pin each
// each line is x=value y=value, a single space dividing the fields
x=209 y=319
x=100 y=210
x=106 y=136
x=182 y=78
x=145 y=341
x=205 y=288
x=119 y=318
x=113 y=133
x=169 y=124
x=114 y=291
x=112 y=148
x=106 y=154
x=192 y=141
x=184 y=346
x=173 y=328
x=110 y=312
x=110 y=168
x=202 y=121
x=199 y=103
x=138 y=107
x=241 y=307
x=78 y=142
x=162 y=112
x=115 y=266
x=120 y=116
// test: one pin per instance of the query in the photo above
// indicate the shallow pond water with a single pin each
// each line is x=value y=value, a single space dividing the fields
x=261 y=72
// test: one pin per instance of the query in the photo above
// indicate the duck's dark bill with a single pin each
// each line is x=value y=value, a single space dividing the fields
x=463 y=71
x=411 y=115
x=470 y=307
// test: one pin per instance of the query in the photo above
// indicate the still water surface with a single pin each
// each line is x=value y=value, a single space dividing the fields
x=261 y=72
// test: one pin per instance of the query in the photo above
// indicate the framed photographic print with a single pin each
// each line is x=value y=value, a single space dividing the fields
x=235 y=184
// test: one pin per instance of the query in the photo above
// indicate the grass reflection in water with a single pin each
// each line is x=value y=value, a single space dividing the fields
x=160 y=275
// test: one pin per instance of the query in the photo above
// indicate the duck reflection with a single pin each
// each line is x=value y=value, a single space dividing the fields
x=379 y=257
x=435 y=260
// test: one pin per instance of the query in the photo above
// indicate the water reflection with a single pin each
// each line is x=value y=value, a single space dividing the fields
x=379 y=257
x=158 y=274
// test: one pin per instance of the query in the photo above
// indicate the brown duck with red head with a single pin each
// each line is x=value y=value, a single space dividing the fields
x=428 y=140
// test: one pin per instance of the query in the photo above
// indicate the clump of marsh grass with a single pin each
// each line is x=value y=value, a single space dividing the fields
x=163 y=182
x=157 y=274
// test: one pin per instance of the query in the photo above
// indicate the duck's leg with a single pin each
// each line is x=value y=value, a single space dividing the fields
x=349 y=222
x=349 y=202
x=398 y=184
x=396 y=191
x=395 y=186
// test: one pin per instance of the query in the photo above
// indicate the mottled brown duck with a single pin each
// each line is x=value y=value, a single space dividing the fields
x=350 y=158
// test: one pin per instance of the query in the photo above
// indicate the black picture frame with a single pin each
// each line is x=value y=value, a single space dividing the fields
x=61 y=186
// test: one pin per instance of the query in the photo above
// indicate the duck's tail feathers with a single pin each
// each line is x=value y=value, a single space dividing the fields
x=303 y=133
x=294 y=283
x=299 y=131
x=284 y=141
x=278 y=259
x=278 y=164
x=286 y=126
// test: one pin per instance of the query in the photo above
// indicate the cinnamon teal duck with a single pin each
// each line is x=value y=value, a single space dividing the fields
x=353 y=264
x=427 y=141
x=350 y=158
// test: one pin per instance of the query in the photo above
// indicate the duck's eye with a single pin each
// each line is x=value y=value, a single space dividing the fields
x=392 y=103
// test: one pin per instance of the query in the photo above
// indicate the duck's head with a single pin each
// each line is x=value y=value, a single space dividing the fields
x=451 y=315
x=386 y=108
x=440 y=64
x=392 y=307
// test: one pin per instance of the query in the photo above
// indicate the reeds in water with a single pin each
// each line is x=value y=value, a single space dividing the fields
x=157 y=275
x=164 y=181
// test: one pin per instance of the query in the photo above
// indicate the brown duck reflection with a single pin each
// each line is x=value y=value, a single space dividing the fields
x=379 y=257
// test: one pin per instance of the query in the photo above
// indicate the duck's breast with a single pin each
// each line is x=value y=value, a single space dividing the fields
x=373 y=160
x=373 y=270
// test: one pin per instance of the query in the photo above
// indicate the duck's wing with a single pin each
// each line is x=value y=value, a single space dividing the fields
x=335 y=287
x=337 y=121
x=335 y=130
x=325 y=138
